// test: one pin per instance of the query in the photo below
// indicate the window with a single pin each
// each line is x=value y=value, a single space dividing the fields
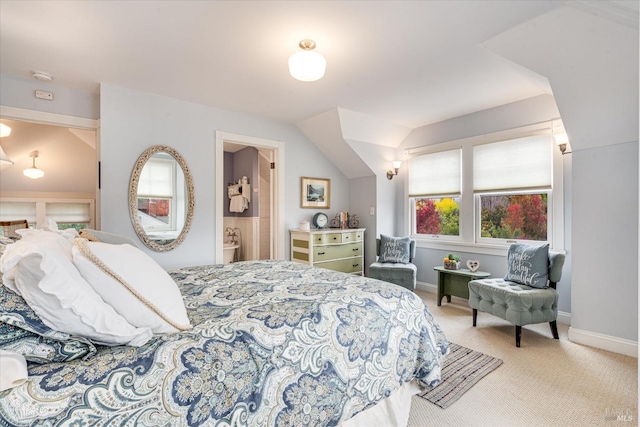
x=438 y=216
x=67 y=213
x=514 y=216
x=156 y=194
x=434 y=186
x=493 y=190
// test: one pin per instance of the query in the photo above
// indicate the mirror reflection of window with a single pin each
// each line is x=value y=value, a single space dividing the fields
x=161 y=191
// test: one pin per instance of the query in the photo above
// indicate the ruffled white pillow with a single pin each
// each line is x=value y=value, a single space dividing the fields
x=133 y=284
x=39 y=268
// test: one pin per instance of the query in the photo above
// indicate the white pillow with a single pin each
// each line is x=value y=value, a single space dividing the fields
x=40 y=269
x=133 y=284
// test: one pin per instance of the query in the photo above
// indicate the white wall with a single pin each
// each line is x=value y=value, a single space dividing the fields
x=132 y=121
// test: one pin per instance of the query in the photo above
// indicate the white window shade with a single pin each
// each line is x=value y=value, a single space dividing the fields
x=69 y=212
x=10 y=211
x=435 y=174
x=517 y=164
x=156 y=179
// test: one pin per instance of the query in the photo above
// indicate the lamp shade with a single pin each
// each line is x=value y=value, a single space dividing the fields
x=4 y=159
x=33 y=173
x=307 y=65
x=4 y=130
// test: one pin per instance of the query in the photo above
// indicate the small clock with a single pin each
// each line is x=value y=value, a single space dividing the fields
x=320 y=220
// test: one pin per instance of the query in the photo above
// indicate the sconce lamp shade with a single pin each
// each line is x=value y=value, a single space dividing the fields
x=33 y=172
x=393 y=172
x=4 y=159
x=4 y=130
x=562 y=139
x=307 y=65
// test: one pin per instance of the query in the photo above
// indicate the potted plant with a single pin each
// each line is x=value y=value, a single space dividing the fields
x=452 y=262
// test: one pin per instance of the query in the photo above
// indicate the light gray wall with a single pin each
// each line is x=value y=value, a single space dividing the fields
x=132 y=121
x=518 y=114
x=20 y=93
x=605 y=287
x=593 y=72
x=363 y=197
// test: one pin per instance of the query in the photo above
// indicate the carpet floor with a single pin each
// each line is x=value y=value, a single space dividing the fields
x=462 y=369
x=545 y=382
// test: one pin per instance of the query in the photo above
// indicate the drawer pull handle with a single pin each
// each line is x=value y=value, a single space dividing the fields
x=320 y=253
x=355 y=249
x=355 y=265
x=335 y=238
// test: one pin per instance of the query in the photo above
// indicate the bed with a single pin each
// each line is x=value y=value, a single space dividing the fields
x=272 y=343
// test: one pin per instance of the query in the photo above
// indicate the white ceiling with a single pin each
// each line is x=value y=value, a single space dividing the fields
x=410 y=63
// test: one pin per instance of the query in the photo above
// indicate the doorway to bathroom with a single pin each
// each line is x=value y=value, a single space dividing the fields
x=249 y=216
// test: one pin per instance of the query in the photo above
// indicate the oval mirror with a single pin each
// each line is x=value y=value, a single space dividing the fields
x=161 y=200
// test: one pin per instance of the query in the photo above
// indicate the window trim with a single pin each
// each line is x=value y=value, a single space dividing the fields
x=468 y=213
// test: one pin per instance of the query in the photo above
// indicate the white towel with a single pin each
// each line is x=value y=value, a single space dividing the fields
x=237 y=204
x=13 y=369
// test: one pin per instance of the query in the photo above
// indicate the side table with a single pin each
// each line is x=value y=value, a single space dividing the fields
x=456 y=282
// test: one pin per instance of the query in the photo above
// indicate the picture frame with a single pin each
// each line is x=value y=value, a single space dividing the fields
x=315 y=193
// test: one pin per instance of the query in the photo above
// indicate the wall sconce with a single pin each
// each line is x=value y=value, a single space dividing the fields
x=33 y=172
x=307 y=65
x=562 y=139
x=394 y=172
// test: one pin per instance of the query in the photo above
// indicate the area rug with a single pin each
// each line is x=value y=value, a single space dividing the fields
x=462 y=369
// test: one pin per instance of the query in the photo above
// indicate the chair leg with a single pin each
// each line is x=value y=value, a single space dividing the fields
x=475 y=316
x=554 y=329
x=518 y=333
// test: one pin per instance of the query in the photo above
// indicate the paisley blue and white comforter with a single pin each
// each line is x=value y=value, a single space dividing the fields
x=274 y=343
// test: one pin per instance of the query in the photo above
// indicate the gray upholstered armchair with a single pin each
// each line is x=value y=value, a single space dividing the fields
x=399 y=271
x=520 y=303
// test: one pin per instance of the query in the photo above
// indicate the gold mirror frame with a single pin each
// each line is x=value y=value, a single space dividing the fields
x=133 y=198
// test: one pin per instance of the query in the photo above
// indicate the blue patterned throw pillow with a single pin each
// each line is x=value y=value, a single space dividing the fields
x=528 y=265
x=395 y=249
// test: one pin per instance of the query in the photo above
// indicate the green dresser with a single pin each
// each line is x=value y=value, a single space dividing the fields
x=335 y=249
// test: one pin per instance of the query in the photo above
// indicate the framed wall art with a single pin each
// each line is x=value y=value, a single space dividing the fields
x=315 y=193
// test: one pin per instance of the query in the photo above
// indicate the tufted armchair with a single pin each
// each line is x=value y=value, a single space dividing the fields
x=518 y=303
x=399 y=273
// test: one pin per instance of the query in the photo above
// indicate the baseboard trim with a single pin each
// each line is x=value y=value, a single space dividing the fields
x=604 y=342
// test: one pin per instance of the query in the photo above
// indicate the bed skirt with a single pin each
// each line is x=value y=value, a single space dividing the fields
x=392 y=411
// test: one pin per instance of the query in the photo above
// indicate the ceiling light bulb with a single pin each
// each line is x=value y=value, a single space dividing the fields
x=4 y=130
x=307 y=65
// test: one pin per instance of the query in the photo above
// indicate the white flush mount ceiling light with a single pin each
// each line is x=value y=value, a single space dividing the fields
x=33 y=172
x=41 y=75
x=307 y=65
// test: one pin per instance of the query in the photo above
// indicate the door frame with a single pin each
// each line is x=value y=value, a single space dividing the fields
x=277 y=194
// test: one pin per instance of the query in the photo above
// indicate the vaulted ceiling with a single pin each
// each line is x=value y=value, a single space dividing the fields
x=391 y=65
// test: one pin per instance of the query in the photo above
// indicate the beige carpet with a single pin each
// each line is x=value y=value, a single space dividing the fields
x=545 y=382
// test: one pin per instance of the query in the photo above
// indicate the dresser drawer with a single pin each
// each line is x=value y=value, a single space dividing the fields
x=349 y=265
x=323 y=253
x=352 y=236
x=324 y=238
